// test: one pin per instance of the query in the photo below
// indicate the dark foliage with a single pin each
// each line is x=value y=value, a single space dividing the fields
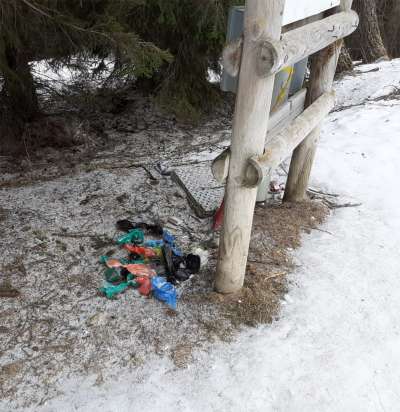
x=194 y=32
x=63 y=33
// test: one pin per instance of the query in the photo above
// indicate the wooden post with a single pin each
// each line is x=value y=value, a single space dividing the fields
x=323 y=68
x=263 y=20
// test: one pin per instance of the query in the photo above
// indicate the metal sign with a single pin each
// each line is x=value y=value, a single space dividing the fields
x=296 y=10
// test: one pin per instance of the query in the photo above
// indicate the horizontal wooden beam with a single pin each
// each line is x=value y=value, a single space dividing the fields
x=277 y=121
x=299 y=43
x=288 y=139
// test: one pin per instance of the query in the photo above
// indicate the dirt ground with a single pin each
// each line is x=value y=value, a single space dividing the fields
x=58 y=210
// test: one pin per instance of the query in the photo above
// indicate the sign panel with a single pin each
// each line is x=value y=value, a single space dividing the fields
x=296 y=10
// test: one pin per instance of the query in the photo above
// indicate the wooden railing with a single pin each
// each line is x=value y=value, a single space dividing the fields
x=294 y=127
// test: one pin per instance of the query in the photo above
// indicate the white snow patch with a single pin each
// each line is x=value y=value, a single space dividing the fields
x=370 y=80
x=62 y=76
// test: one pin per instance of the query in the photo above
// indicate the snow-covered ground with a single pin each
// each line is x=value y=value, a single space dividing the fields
x=336 y=346
x=368 y=81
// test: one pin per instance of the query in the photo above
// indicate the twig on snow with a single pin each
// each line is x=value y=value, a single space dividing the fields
x=333 y=205
x=320 y=192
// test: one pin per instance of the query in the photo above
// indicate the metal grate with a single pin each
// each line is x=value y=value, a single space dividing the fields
x=204 y=193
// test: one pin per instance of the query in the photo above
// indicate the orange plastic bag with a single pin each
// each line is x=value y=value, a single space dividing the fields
x=143 y=251
x=113 y=263
x=145 y=285
x=140 y=269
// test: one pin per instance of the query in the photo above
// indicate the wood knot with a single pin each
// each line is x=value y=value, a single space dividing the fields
x=267 y=58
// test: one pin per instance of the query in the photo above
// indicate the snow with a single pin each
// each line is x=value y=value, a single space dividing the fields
x=61 y=76
x=368 y=81
x=336 y=345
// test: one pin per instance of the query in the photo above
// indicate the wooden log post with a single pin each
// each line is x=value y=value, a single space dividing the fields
x=263 y=20
x=323 y=68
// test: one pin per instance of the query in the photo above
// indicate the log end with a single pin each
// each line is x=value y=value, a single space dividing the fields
x=254 y=173
x=220 y=166
x=267 y=58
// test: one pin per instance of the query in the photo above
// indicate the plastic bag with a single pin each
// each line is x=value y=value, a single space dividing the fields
x=144 y=285
x=154 y=243
x=142 y=251
x=111 y=290
x=135 y=236
x=193 y=263
x=113 y=263
x=169 y=239
x=112 y=275
x=164 y=291
x=126 y=226
x=140 y=270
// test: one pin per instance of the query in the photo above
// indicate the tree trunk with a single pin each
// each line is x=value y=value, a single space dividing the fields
x=18 y=101
x=345 y=63
x=392 y=28
x=19 y=90
x=366 y=43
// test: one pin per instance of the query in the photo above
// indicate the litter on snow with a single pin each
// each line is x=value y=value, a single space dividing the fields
x=153 y=266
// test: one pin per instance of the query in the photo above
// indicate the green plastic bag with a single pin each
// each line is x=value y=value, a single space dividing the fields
x=135 y=236
x=111 y=290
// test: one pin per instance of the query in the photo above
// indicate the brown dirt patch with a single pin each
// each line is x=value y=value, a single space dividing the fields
x=277 y=231
x=181 y=355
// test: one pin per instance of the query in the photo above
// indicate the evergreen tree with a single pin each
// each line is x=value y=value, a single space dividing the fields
x=32 y=30
x=173 y=43
x=194 y=31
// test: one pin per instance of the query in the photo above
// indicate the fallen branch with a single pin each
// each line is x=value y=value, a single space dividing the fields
x=333 y=205
x=8 y=292
x=320 y=192
x=376 y=69
x=75 y=235
x=316 y=228
x=350 y=106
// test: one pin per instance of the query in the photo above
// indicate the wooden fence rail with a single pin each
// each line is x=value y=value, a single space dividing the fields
x=299 y=43
x=277 y=121
x=283 y=144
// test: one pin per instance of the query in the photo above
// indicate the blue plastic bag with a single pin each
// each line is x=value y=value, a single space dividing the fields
x=153 y=243
x=164 y=291
x=170 y=240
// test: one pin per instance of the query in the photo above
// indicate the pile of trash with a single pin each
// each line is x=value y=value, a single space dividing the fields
x=152 y=267
x=276 y=190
